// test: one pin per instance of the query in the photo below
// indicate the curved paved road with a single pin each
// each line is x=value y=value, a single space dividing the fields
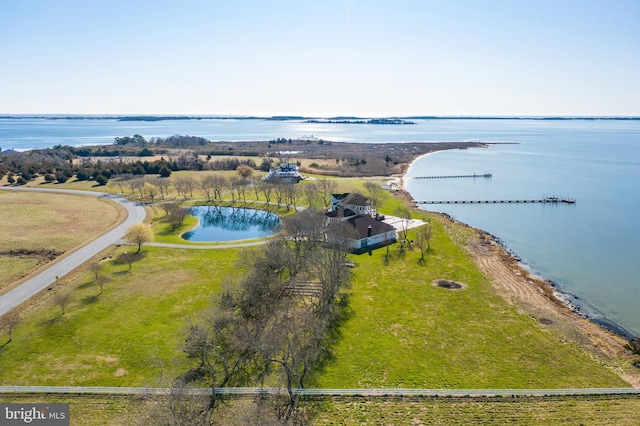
x=136 y=213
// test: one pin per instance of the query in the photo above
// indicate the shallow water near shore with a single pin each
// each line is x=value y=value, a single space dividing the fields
x=590 y=249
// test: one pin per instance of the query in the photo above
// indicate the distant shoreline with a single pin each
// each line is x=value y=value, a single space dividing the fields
x=313 y=119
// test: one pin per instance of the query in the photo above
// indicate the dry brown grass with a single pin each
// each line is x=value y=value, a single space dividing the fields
x=34 y=225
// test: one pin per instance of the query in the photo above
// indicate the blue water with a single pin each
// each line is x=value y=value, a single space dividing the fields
x=590 y=249
x=230 y=224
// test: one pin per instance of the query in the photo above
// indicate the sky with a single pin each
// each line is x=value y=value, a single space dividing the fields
x=321 y=58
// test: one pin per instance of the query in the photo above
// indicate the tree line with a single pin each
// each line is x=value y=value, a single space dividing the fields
x=218 y=188
x=57 y=165
x=272 y=326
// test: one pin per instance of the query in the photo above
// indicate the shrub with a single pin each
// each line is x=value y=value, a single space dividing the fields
x=101 y=180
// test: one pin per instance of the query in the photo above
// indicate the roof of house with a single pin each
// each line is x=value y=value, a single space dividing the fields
x=352 y=198
x=362 y=223
x=341 y=213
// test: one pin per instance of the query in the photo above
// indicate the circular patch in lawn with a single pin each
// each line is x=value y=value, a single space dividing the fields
x=448 y=284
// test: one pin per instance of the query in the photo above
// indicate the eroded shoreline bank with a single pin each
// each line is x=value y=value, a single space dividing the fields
x=539 y=297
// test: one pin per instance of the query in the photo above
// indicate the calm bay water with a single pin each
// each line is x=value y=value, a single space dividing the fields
x=591 y=249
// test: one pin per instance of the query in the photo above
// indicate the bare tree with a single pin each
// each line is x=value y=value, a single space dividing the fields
x=182 y=185
x=97 y=269
x=404 y=213
x=162 y=184
x=121 y=180
x=219 y=184
x=101 y=281
x=190 y=183
x=311 y=194
x=207 y=184
x=295 y=346
x=279 y=190
x=62 y=299
x=375 y=193
x=304 y=231
x=327 y=187
x=136 y=184
x=175 y=215
x=240 y=185
x=150 y=190
x=230 y=185
x=255 y=184
x=423 y=240
x=222 y=347
x=267 y=189
x=292 y=195
x=183 y=404
x=331 y=269
x=8 y=323
x=129 y=257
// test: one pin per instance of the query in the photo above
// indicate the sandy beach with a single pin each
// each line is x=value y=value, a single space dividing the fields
x=537 y=297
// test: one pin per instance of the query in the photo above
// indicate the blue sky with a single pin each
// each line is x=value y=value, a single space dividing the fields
x=320 y=58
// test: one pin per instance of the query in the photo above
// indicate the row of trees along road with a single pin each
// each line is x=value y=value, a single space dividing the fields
x=215 y=186
x=273 y=326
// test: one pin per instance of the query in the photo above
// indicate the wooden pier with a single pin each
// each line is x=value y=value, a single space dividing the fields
x=553 y=200
x=485 y=175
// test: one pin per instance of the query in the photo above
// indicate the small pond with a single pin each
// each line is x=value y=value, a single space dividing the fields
x=231 y=223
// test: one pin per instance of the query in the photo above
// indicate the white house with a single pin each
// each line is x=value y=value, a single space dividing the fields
x=285 y=172
x=357 y=203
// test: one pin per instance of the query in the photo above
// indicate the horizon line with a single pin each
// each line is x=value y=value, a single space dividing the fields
x=314 y=117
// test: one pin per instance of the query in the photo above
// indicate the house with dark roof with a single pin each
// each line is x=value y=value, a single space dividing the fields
x=353 y=201
x=368 y=232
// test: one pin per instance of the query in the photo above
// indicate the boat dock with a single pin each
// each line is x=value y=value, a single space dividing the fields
x=485 y=175
x=542 y=200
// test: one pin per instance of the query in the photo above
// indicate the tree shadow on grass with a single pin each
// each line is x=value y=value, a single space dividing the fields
x=128 y=258
x=86 y=285
x=90 y=299
x=50 y=321
x=344 y=314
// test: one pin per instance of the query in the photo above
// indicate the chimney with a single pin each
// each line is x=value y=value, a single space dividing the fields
x=369 y=230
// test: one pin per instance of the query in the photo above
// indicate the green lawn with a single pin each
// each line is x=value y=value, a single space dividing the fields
x=406 y=333
x=402 y=331
x=131 y=335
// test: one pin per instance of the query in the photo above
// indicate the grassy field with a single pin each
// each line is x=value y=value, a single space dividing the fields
x=601 y=410
x=614 y=410
x=405 y=332
x=36 y=223
x=401 y=332
x=131 y=335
